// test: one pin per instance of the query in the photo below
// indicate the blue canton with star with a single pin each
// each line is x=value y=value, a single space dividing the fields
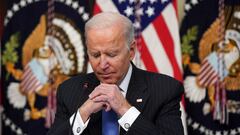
x=146 y=10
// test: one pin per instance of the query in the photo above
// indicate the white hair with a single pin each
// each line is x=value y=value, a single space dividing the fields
x=107 y=19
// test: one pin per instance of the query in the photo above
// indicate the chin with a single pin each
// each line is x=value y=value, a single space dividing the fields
x=108 y=81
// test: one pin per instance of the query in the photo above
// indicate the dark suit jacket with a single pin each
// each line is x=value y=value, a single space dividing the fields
x=160 y=114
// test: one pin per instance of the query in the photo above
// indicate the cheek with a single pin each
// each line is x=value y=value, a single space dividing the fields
x=93 y=64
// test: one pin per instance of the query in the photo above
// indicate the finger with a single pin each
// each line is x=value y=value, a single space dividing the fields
x=107 y=107
x=100 y=98
x=97 y=92
x=111 y=87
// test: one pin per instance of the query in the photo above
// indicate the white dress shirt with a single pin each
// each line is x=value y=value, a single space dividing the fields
x=125 y=121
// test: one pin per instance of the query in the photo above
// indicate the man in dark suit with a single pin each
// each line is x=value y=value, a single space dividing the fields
x=145 y=103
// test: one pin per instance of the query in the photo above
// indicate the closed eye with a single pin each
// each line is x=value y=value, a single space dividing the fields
x=95 y=55
x=111 y=54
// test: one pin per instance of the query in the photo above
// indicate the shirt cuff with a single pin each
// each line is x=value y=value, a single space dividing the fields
x=128 y=118
x=78 y=125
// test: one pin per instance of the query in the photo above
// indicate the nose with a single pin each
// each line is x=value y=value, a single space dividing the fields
x=103 y=63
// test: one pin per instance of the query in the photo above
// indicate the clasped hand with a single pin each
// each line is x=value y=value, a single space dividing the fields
x=107 y=97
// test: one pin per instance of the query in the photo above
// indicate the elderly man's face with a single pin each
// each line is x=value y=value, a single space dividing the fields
x=108 y=54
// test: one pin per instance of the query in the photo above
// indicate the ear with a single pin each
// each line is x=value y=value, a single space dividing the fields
x=132 y=49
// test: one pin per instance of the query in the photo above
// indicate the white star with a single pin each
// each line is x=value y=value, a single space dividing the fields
x=194 y=2
x=19 y=131
x=13 y=127
x=218 y=133
x=150 y=11
x=137 y=25
x=225 y=132
x=233 y=132
x=120 y=1
x=202 y=129
x=85 y=16
x=75 y=5
x=7 y=122
x=29 y=1
x=187 y=7
x=68 y=2
x=61 y=1
x=142 y=1
x=23 y=3
x=195 y=125
x=15 y=7
x=152 y=1
x=132 y=1
x=236 y=15
x=163 y=1
x=81 y=10
x=207 y=132
x=128 y=11
x=9 y=13
x=139 y=11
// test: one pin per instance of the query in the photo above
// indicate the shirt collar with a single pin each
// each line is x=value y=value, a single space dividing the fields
x=125 y=82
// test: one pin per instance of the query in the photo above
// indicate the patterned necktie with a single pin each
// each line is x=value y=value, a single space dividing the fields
x=109 y=123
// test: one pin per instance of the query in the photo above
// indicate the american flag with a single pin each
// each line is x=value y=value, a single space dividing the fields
x=33 y=77
x=212 y=69
x=156 y=24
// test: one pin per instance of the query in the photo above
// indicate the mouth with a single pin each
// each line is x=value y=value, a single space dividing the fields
x=105 y=75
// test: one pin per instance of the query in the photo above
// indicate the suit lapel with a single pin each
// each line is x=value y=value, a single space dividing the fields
x=88 y=86
x=96 y=118
x=137 y=94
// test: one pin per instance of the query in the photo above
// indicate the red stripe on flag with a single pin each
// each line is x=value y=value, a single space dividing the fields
x=204 y=70
x=25 y=81
x=204 y=65
x=211 y=79
x=96 y=9
x=206 y=81
x=31 y=83
x=146 y=56
x=168 y=44
x=26 y=71
x=175 y=3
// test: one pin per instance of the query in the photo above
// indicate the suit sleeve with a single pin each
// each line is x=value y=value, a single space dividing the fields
x=168 y=119
x=61 y=125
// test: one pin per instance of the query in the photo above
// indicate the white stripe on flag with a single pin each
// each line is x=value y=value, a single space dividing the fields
x=26 y=71
x=204 y=65
x=171 y=21
x=26 y=81
x=138 y=61
x=107 y=6
x=157 y=51
x=204 y=70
